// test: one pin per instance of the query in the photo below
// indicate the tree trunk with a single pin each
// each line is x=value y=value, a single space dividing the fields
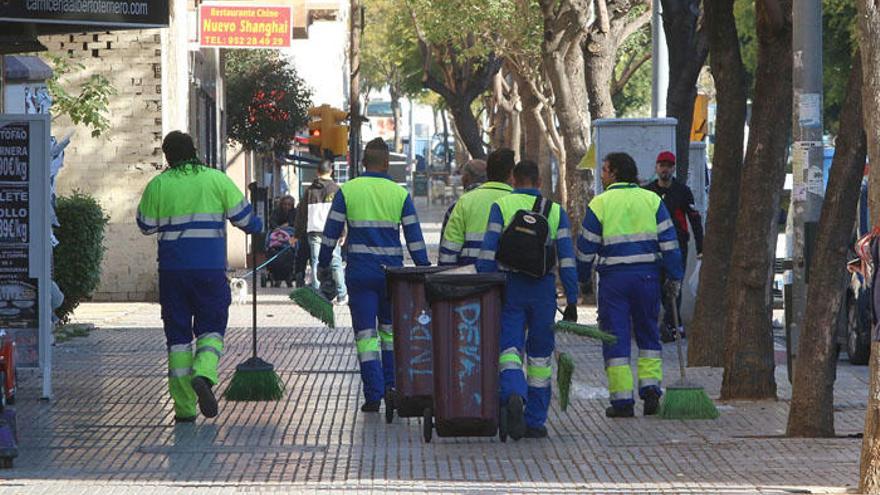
x=812 y=399
x=749 y=365
x=706 y=333
x=688 y=49
x=467 y=126
x=600 y=56
x=869 y=42
x=565 y=71
x=534 y=140
x=395 y=117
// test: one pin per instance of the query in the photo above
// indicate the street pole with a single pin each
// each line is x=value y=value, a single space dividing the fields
x=808 y=188
x=659 y=63
x=354 y=100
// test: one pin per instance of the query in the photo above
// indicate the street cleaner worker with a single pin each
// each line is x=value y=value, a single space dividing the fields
x=188 y=205
x=525 y=237
x=372 y=207
x=627 y=232
x=679 y=201
x=463 y=235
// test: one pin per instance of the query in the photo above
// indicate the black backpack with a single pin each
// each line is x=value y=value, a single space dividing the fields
x=525 y=244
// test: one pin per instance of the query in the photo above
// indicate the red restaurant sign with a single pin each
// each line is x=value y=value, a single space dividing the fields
x=244 y=26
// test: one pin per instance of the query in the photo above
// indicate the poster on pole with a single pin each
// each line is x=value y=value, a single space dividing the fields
x=225 y=25
x=25 y=250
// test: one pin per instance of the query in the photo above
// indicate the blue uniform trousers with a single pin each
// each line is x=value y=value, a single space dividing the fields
x=368 y=301
x=529 y=303
x=194 y=302
x=629 y=302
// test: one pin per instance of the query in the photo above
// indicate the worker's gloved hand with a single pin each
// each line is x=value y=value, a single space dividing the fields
x=671 y=289
x=570 y=313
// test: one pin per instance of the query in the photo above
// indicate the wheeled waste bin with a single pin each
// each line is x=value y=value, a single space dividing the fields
x=410 y=319
x=465 y=322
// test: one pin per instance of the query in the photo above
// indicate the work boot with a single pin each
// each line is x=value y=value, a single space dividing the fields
x=179 y=420
x=207 y=401
x=516 y=421
x=667 y=334
x=619 y=412
x=536 y=432
x=371 y=406
x=652 y=402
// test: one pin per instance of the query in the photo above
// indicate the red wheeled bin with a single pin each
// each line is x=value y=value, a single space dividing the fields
x=413 y=386
x=466 y=323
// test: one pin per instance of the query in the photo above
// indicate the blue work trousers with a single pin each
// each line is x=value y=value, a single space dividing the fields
x=369 y=304
x=527 y=324
x=194 y=303
x=629 y=302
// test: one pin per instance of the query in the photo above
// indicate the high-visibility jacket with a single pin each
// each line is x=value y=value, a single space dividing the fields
x=373 y=207
x=188 y=207
x=502 y=213
x=628 y=228
x=464 y=231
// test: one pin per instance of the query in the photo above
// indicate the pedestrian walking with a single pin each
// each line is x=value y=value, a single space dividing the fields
x=372 y=208
x=462 y=236
x=679 y=200
x=311 y=217
x=628 y=234
x=473 y=174
x=187 y=205
x=525 y=235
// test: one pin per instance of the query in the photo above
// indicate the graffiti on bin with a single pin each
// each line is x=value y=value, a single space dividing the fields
x=420 y=357
x=468 y=344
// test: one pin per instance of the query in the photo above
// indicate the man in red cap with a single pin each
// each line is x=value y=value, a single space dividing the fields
x=679 y=200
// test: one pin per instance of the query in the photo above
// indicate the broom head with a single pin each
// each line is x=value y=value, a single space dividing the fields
x=315 y=304
x=564 y=371
x=585 y=331
x=685 y=401
x=254 y=380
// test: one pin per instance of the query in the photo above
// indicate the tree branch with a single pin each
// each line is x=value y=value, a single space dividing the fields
x=624 y=28
x=602 y=14
x=634 y=64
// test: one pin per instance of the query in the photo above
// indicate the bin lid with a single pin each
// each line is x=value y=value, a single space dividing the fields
x=453 y=286
x=412 y=272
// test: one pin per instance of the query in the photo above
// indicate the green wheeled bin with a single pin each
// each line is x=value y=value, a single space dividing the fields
x=465 y=323
x=410 y=319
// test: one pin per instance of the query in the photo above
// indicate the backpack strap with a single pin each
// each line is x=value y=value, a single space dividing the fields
x=542 y=206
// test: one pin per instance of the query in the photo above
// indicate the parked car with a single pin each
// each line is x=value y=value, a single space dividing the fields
x=855 y=331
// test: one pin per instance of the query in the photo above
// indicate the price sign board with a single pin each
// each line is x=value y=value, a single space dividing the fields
x=25 y=250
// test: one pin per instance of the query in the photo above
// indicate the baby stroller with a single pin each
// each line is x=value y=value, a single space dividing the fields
x=281 y=268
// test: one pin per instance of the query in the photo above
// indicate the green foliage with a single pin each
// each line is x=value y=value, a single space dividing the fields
x=634 y=98
x=838 y=46
x=389 y=52
x=77 y=258
x=266 y=100
x=89 y=105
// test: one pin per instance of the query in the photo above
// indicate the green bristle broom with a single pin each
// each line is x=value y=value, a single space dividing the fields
x=254 y=379
x=315 y=304
x=564 y=371
x=684 y=400
x=585 y=331
x=565 y=363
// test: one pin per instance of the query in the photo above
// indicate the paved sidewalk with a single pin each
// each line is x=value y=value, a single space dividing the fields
x=109 y=427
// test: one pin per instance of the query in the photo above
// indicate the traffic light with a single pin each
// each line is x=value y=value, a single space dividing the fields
x=327 y=137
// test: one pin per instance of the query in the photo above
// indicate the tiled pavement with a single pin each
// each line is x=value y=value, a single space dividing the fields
x=108 y=429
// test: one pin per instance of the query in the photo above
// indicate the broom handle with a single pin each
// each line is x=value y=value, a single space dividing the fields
x=254 y=276
x=678 y=339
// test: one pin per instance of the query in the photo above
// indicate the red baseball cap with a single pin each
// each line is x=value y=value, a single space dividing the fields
x=666 y=156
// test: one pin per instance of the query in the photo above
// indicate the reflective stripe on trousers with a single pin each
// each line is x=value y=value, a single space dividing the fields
x=510 y=360
x=367 y=345
x=180 y=363
x=386 y=337
x=538 y=372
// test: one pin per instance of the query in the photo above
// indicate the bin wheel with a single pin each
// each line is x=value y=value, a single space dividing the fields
x=502 y=424
x=389 y=406
x=428 y=425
